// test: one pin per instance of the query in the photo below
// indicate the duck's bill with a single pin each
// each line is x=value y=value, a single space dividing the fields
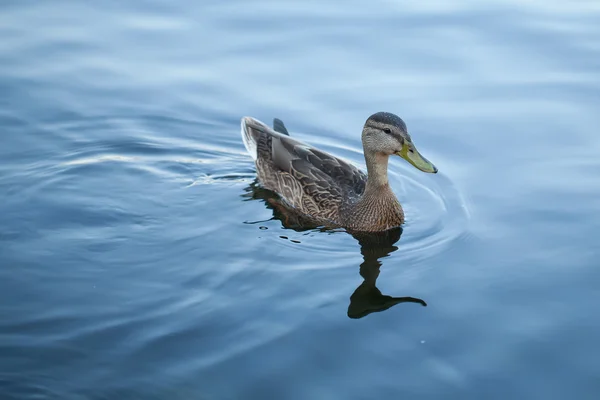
x=410 y=154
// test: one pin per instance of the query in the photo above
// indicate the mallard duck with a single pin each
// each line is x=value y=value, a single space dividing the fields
x=327 y=189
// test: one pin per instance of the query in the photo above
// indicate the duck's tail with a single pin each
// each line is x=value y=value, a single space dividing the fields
x=250 y=134
x=280 y=127
x=253 y=128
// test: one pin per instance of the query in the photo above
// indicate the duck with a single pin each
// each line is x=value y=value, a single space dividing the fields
x=326 y=189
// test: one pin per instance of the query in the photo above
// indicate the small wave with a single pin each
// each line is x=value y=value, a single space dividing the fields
x=147 y=144
x=209 y=179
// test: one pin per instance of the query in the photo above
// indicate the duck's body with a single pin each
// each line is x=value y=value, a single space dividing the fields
x=329 y=190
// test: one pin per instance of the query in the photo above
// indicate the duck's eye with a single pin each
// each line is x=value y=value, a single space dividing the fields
x=387 y=130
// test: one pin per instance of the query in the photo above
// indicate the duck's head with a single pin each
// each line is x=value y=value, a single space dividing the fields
x=386 y=133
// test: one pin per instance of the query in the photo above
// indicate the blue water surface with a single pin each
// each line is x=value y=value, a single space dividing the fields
x=140 y=260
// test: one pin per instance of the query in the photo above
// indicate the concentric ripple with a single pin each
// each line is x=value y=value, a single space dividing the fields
x=435 y=209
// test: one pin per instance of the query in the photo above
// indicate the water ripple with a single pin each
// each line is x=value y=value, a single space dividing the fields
x=436 y=213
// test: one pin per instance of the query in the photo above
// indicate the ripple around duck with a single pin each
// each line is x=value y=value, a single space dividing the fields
x=163 y=146
x=436 y=211
x=124 y=170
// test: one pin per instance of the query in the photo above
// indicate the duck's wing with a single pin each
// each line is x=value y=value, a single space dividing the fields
x=316 y=167
x=320 y=174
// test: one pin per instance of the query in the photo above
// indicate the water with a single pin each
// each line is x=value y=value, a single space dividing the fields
x=139 y=260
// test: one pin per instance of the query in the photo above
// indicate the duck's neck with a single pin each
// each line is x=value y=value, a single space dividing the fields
x=378 y=209
x=377 y=175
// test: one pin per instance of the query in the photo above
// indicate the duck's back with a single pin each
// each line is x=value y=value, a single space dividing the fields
x=312 y=181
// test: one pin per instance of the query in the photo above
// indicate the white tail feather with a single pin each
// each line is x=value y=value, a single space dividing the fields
x=248 y=140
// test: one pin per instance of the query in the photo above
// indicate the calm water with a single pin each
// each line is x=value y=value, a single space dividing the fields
x=140 y=261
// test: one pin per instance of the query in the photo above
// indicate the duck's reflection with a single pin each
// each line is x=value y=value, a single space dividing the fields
x=367 y=298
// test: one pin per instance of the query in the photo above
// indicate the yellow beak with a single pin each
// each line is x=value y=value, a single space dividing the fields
x=410 y=154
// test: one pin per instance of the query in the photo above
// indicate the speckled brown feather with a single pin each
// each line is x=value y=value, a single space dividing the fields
x=310 y=180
